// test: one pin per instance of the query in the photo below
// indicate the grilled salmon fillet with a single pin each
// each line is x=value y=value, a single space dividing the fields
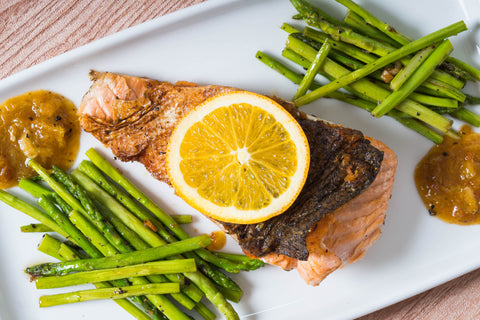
x=134 y=117
x=344 y=235
x=339 y=212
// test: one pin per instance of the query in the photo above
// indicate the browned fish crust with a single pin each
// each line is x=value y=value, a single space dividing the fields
x=343 y=162
x=139 y=128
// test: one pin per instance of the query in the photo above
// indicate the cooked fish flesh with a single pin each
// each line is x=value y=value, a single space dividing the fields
x=344 y=235
x=134 y=117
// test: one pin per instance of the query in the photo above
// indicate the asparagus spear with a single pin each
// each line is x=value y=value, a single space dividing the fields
x=205 y=312
x=115 y=242
x=190 y=294
x=63 y=221
x=354 y=100
x=120 y=260
x=314 y=17
x=474 y=72
x=367 y=88
x=357 y=23
x=170 y=310
x=407 y=71
x=467 y=116
x=108 y=293
x=439 y=83
x=346 y=48
x=136 y=193
x=433 y=101
x=94 y=276
x=108 y=230
x=34 y=188
x=383 y=61
x=313 y=70
x=99 y=241
x=372 y=20
x=159 y=301
x=182 y=218
x=31 y=211
x=52 y=247
x=147 y=234
x=455 y=64
x=39 y=191
x=35 y=227
x=166 y=219
x=418 y=77
x=154 y=239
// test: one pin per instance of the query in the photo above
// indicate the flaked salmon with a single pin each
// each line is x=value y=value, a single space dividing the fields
x=339 y=212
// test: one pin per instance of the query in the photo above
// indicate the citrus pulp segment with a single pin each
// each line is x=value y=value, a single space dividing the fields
x=238 y=157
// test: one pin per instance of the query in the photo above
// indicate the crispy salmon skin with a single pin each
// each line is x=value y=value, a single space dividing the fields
x=135 y=117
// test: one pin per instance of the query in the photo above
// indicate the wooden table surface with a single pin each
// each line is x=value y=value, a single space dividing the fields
x=34 y=31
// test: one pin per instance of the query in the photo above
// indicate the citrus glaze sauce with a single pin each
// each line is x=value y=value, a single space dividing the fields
x=40 y=125
x=218 y=240
x=448 y=179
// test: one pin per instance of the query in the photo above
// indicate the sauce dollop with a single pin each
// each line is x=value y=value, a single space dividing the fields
x=40 y=125
x=448 y=179
x=218 y=240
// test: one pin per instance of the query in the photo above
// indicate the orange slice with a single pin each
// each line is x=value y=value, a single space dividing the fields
x=238 y=157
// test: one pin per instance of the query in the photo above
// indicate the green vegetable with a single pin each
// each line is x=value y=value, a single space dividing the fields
x=372 y=20
x=352 y=99
x=145 y=269
x=422 y=72
x=357 y=23
x=31 y=211
x=455 y=66
x=382 y=61
x=467 y=116
x=153 y=239
x=35 y=227
x=63 y=221
x=364 y=87
x=120 y=260
x=108 y=293
x=313 y=69
x=63 y=252
x=410 y=68
x=164 y=218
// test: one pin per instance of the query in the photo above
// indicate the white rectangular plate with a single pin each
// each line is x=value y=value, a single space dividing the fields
x=215 y=43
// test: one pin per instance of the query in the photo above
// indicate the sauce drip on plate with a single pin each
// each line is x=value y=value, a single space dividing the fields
x=40 y=125
x=218 y=240
x=448 y=179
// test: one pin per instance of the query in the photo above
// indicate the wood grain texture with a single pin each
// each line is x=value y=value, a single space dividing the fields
x=33 y=31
